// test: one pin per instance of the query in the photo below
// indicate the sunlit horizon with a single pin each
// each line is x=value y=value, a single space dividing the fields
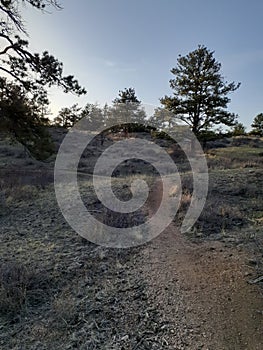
x=109 y=46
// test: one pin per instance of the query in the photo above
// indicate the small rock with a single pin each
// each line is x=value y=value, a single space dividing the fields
x=125 y=338
x=247 y=274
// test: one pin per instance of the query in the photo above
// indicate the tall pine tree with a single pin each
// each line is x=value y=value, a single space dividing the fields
x=200 y=95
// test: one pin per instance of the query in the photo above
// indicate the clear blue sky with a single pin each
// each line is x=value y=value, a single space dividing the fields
x=113 y=44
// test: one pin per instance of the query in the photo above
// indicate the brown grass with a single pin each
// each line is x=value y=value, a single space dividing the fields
x=234 y=157
x=20 y=287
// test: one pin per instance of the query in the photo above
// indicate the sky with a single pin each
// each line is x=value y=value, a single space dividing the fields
x=110 y=45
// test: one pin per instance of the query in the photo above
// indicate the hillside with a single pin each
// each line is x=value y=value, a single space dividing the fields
x=200 y=290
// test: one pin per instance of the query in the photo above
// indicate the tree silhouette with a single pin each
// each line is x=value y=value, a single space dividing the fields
x=257 y=125
x=24 y=96
x=94 y=115
x=68 y=116
x=31 y=70
x=126 y=96
x=239 y=129
x=22 y=118
x=163 y=119
x=200 y=95
x=127 y=110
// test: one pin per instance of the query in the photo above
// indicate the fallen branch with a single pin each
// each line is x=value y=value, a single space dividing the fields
x=257 y=280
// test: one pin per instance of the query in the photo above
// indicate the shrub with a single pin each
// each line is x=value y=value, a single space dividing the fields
x=21 y=193
x=20 y=286
x=66 y=310
x=161 y=135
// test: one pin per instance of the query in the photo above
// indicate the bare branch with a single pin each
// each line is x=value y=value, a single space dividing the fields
x=6 y=49
x=12 y=74
x=20 y=61
x=10 y=9
x=14 y=16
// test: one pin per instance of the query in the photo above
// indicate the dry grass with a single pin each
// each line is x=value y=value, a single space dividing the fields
x=21 y=193
x=20 y=287
x=234 y=157
x=11 y=193
x=91 y=298
x=65 y=310
x=234 y=199
x=17 y=186
x=14 y=282
x=219 y=218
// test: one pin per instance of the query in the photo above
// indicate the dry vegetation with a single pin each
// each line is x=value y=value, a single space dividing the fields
x=59 y=291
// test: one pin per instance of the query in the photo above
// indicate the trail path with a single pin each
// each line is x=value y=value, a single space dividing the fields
x=203 y=292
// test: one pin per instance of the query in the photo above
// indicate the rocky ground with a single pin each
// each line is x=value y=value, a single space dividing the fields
x=196 y=291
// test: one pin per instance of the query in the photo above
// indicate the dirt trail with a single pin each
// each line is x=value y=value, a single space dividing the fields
x=202 y=291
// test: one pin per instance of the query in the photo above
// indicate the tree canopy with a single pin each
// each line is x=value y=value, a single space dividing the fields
x=257 y=125
x=68 y=116
x=26 y=76
x=29 y=69
x=95 y=116
x=239 y=129
x=23 y=119
x=163 y=119
x=127 y=109
x=127 y=95
x=200 y=95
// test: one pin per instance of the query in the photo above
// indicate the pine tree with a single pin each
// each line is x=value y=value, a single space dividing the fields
x=257 y=125
x=200 y=95
x=127 y=109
